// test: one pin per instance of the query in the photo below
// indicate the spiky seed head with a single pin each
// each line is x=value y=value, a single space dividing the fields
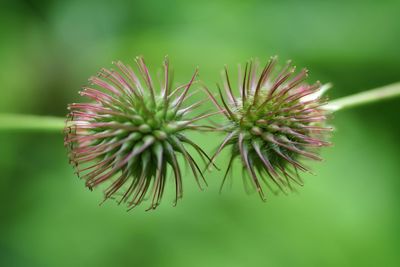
x=275 y=121
x=130 y=133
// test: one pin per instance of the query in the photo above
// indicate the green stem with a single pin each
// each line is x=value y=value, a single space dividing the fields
x=18 y=122
x=370 y=96
x=23 y=123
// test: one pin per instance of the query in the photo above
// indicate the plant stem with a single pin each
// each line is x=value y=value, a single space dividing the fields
x=23 y=123
x=18 y=122
x=370 y=96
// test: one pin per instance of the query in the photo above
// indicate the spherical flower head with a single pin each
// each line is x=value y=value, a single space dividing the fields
x=130 y=133
x=275 y=122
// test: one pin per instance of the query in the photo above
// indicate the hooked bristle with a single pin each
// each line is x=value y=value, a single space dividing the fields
x=130 y=134
x=275 y=121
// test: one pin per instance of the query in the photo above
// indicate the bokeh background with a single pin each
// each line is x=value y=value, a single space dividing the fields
x=346 y=215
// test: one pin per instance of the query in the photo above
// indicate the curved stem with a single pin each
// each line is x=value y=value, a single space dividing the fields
x=18 y=122
x=370 y=96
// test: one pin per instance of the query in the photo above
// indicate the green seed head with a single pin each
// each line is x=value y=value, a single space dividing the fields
x=274 y=122
x=131 y=134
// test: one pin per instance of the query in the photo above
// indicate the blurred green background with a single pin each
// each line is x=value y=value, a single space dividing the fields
x=346 y=215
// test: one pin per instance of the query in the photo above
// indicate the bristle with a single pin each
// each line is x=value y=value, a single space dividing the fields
x=274 y=126
x=129 y=135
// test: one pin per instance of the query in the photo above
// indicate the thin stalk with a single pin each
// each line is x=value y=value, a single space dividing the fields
x=370 y=96
x=19 y=122
x=29 y=123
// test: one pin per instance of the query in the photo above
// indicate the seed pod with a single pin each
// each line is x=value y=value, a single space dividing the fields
x=130 y=134
x=275 y=122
